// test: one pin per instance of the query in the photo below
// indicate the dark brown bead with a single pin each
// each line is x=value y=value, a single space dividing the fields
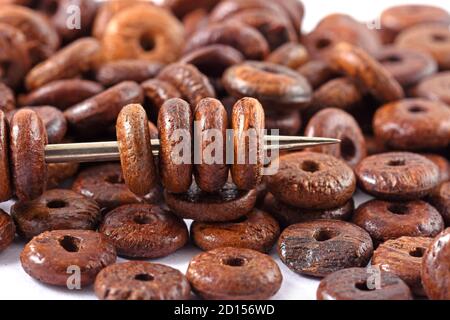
x=105 y=184
x=407 y=66
x=436 y=267
x=434 y=88
x=385 y=220
x=363 y=284
x=189 y=81
x=403 y=257
x=134 y=143
x=234 y=273
x=27 y=154
x=211 y=169
x=41 y=38
x=227 y=204
x=275 y=86
x=69 y=62
x=58 y=173
x=433 y=39
x=413 y=124
x=336 y=28
x=175 y=134
x=287 y=215
x=321 y=247
x=335 y=123
x=397 y=175
x=247 y=122
x=140 y=280
x=398 y=18
x=102 y=109
x=144 y=231
x=291 y=54
x=61 y=93
x=7 y=230
x=365 y=70
x=442 y=163
x=440 y=199
x=257 y=230
x=156 y=92
x=6 y=189
x=312 y=180
x=114 y=72
x=7 y=99
x=245 y=39
x=49 y=256
x=53 y=119
x=55 y=209
x=317 y=72
x=15 y=58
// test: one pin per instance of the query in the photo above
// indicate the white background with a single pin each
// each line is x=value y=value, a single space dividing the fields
x=16 y=284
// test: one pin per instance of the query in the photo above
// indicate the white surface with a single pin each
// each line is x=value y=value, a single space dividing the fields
x=16 y=284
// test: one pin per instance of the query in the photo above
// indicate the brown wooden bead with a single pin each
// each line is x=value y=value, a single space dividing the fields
x=398 y=18
x=288 y=123
x=312 y=180
x=102 y=109
x=317 y=72
x=335 y=123
x=436 y=269
x=140 y=280
x=28 y=140
x=136 y=158
x=211 y=169
x=413 y=124
x=7 y=230
x=321 y=247
x=363 y=284
x=431 y=38
x=144 y=231
x=385 y=220
x=359 y=65
x=440 y=199
x=114 y=72
x=403 y=257
x=143 y=31
x=407 y=66
x=248 y=130
x=434 y=87
x=442 y=163
x=276 y=87
x=7 y=98
x=228 y=203
x=61 y=93
x=71 y=61
x=234 y=273
x=257 y=230
x=397 y=175
x=156 y=92
x=5 y=177
x=56 y=209
x=175 y=134
x=189 y=81
x=291 y=54
x=287 y=215
x=48 y=256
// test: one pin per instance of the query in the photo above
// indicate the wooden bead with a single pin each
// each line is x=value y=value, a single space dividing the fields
x=5 y=182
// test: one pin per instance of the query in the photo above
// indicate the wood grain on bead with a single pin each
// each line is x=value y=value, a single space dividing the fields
x=5 y=178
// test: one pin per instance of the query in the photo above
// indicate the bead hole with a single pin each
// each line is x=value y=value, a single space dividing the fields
x=55 y=204
x=348 y=149
x=324 y=235
x=396 y=163
x=4 y=69
x=234 y=262
x=70 y=244
x=363 y=286
x=439 y=37
x=323 y=43
x=114 y=179
x=391 y=59
x=144 y=277
x=310 y=166
x=398 y=209
x=146 y=43
x=416 y=109
x=417 y=252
